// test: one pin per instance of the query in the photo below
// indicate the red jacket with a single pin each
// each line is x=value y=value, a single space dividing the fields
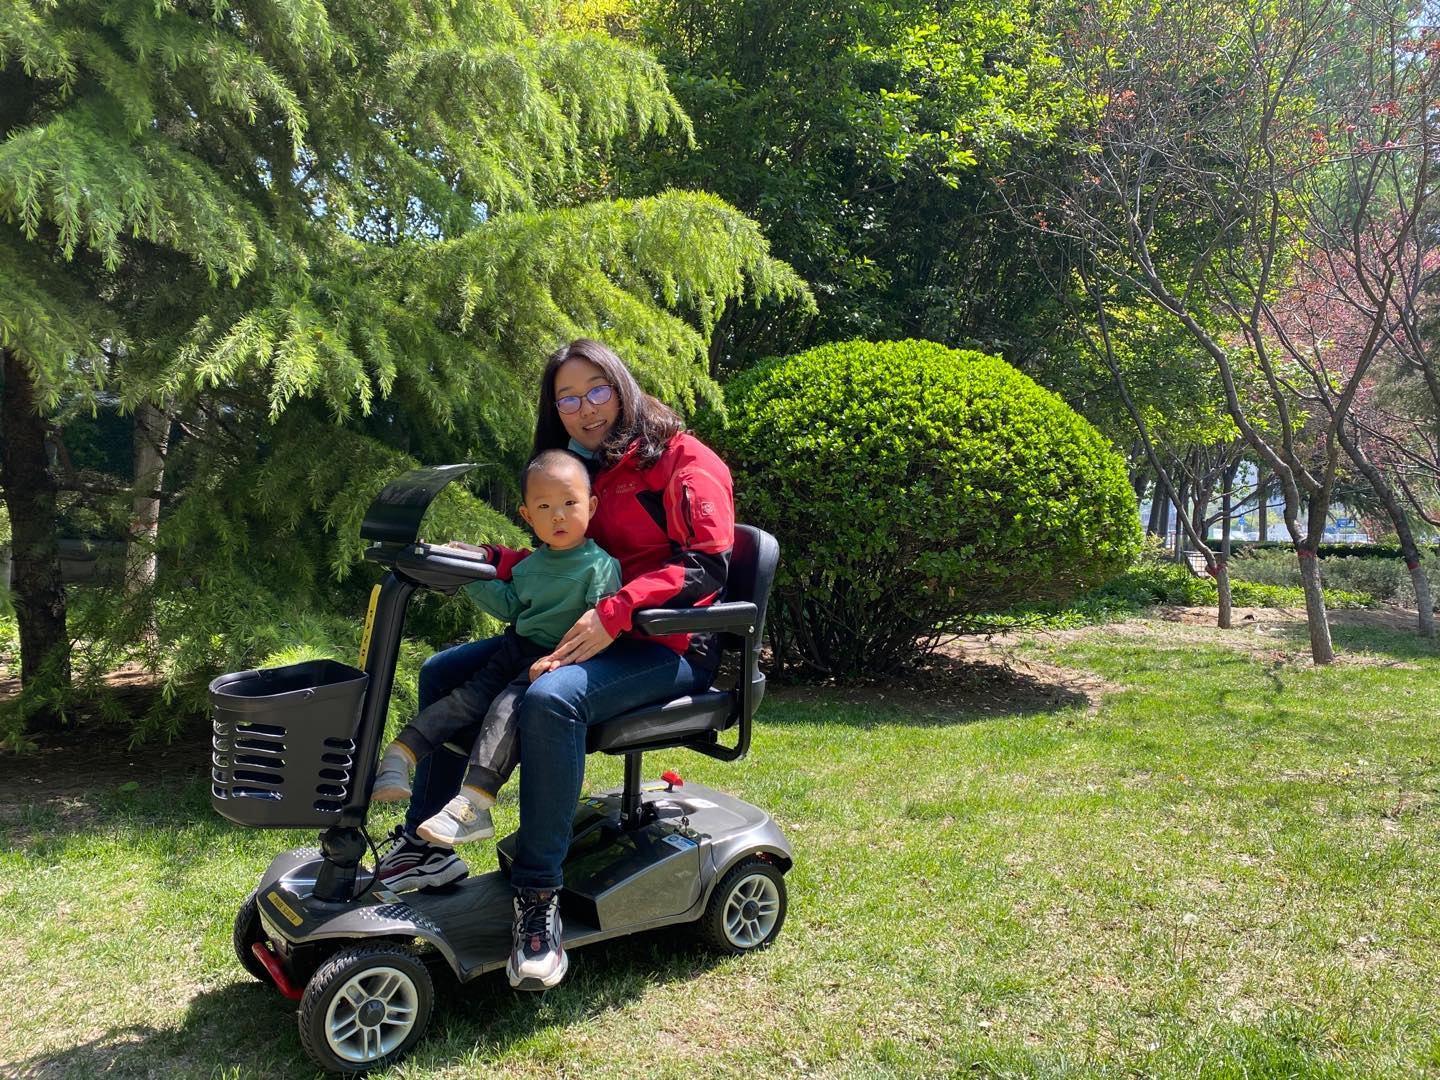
x=671 y=526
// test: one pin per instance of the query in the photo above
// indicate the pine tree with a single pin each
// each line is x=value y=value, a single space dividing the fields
x=284 y=220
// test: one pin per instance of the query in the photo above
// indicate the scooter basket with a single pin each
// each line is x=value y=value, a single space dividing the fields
x=284 y=743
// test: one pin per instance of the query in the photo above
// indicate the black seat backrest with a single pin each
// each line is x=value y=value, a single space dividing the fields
x=753 y=560
x=695 y=719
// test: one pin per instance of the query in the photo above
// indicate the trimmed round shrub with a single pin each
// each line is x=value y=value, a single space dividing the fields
x=910 y=486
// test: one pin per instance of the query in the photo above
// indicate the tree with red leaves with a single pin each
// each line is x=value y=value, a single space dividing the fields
x=1225 y=146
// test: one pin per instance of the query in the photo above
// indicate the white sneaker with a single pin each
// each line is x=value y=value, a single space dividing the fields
x=459 y=823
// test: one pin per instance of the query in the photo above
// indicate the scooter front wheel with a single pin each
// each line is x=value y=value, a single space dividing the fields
x=248 y=930
x=365 y=1008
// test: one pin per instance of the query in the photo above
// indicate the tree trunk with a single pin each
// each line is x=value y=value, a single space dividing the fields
x=151 y=441
x=1425 y=616
x=1262 y=501
x=1321 y=649
x=1157 y=499
x=1226 y=506
x=30 y=497
x=1141 y=484
x=1181 y=497
x=1421 y=585
x=1222 y=582
x=1222 y=573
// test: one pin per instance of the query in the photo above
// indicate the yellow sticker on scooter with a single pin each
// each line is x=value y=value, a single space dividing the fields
x=369 y=627
x=284 y=908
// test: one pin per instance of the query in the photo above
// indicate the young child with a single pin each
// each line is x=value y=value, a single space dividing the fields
x=561 y=580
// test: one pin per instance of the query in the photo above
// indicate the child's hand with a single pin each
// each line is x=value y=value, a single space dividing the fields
x=541 y=666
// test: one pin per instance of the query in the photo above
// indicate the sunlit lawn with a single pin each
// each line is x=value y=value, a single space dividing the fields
x=1228 y=868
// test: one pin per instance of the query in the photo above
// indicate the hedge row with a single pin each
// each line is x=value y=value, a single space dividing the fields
x=1325 y=551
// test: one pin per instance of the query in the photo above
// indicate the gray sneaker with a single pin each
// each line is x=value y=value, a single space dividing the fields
x=392 y=779
x=459 y=823
x=537 y=957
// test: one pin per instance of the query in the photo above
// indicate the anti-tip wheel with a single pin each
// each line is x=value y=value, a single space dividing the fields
x=747 y=908
x=248 y=930
x=365 y=1008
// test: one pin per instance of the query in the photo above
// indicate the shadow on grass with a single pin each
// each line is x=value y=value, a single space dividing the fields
x=1402 y=645
x=247 y=1029
x=948 y=690
x=178 y=809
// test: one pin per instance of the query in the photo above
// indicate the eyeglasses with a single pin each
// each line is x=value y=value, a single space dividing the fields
x=596 y=395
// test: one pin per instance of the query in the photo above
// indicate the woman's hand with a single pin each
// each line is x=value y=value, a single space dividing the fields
x=541 y=666
x=582 y=641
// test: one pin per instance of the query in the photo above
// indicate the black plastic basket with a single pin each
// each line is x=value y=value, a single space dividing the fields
x=284 y=743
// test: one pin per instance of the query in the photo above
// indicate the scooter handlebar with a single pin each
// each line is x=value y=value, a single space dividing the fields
x=443 y=567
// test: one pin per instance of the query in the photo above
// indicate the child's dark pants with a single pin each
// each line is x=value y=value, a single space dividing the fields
x=483 y=710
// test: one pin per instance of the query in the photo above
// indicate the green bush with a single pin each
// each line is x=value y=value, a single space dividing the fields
x=1325 y=551
x=1249 y=594
x=9 y=642
x=1385 y=579
x=911 y=486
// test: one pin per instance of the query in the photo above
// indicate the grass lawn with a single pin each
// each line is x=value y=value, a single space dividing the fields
x=1229 y=866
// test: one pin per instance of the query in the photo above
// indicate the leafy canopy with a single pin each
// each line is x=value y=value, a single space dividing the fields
x=861 y=135
x=332 y=238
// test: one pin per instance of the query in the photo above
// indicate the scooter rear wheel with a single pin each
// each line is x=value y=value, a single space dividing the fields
x=248 y=930
x=365 y=1008
x=747 y=908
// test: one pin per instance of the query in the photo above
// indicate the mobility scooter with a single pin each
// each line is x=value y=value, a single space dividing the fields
x=297 y=747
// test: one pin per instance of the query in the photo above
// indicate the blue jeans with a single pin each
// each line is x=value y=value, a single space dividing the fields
x=438 y=775
x=554 y=715
x=482 y=713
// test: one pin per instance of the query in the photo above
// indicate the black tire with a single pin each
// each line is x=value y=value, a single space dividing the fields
x=248 y=930
x=391 y=975
x=734 y=928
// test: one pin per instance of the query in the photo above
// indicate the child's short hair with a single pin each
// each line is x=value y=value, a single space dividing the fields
x=550 y=459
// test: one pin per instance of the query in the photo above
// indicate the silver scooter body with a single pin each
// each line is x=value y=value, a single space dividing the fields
x=617 y=882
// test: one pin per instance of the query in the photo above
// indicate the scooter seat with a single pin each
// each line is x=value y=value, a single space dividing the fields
x=666 y=724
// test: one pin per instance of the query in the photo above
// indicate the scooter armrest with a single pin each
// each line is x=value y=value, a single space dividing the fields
x=736 y=617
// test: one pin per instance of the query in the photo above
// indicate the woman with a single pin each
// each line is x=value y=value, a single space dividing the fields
x=666 y=512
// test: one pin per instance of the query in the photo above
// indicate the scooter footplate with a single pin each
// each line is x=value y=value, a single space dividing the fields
x=476 y=918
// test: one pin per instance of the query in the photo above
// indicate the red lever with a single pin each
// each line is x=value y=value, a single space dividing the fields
x=261 y=952
x=672 y=778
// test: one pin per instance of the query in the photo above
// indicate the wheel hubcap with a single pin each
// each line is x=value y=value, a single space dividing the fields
x=371 y=1014
x=751 y=911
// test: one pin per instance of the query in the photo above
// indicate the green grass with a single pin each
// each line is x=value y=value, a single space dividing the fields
x=1227 y=869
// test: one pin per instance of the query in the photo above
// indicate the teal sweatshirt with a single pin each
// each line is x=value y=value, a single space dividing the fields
x=549 y=590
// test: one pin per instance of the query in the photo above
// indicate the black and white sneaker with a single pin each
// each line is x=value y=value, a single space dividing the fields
x=410 y=863
x=538 y=960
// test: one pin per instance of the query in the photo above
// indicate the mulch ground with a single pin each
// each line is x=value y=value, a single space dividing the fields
x=65 y=768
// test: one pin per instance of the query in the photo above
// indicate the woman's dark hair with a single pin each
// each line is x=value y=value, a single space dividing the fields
x=641 y=418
